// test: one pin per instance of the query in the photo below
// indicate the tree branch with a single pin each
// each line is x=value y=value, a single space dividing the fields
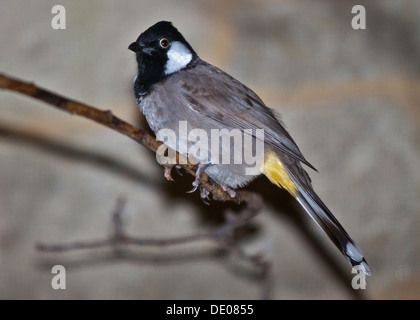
x=222 y=235
x=108 y=119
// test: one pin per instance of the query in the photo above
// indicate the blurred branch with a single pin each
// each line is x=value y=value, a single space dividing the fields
x=87 y=155
x=223 y=235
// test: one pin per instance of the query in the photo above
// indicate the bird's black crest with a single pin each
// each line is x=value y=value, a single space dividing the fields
x=163 y=29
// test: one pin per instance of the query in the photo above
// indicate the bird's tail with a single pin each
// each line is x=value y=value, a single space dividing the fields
x=296 y=181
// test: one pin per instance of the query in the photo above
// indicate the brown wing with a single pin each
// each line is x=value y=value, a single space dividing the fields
x=218 y=96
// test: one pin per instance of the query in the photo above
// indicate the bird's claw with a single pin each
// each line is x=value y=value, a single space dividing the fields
x=204 y=195
x=178 y=170
x=232 y=193
x=195 y=187
x=198 y=174
x=167 y=170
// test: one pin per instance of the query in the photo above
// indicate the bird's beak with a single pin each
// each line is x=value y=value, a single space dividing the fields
x=137 y=48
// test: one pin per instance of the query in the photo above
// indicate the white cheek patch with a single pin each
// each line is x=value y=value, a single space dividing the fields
x=179 y=56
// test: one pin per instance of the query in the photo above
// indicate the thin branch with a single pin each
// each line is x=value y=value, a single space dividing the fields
x=107 y=119
x=222 y=235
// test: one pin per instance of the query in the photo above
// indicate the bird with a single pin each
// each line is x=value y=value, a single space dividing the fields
x=173 y=86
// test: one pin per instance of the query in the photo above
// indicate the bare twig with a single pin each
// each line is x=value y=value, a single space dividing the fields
x=222 y=235
x=107 y=119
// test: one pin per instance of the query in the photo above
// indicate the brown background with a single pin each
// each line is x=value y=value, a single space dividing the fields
x=350 y=98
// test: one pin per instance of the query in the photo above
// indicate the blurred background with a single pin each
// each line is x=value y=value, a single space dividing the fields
x=350 y=98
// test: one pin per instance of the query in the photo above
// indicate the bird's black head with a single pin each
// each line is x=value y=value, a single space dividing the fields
x=161 y=50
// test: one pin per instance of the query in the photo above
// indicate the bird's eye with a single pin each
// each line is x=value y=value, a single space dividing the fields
x=164 y=43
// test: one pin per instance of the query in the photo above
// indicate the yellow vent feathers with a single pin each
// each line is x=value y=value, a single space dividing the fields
x=274 y=170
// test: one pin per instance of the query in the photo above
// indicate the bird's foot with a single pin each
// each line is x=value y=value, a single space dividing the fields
x=204 y=193
x=232 y=193
x=167 y=171
x=198 y=174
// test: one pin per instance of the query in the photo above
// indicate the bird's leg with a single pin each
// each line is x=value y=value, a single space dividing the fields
x=198 y=173
x=204 y=195
x=231 y=192
x=167 y=169
x=203 y=191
